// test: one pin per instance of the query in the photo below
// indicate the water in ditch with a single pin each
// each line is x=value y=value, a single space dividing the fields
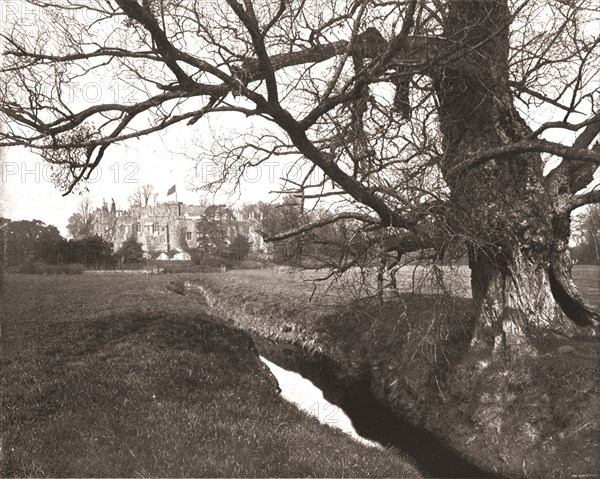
x=309 y=398
x=376 y=426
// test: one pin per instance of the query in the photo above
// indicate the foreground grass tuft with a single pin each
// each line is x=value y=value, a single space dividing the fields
x=152 y=393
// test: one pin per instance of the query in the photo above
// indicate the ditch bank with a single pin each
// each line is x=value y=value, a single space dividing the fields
x=403 y=383
x=351 y=392
x=348 y=385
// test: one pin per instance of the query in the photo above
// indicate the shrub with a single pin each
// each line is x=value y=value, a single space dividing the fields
x=92 y=251
x=131 y=252
x=240 y=247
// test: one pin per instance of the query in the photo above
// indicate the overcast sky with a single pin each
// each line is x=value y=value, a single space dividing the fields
x=160 y=160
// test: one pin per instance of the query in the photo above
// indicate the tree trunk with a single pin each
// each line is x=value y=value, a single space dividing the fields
x=515 y=303
x=572 y=303
x=501 y=206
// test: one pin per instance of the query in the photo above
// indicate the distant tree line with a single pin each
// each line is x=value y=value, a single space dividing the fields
x=342 y=244
x=33 y=241
x=334 y=244
x=29 y=241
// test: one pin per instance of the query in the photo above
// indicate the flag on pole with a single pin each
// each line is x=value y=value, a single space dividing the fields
x=171 y=190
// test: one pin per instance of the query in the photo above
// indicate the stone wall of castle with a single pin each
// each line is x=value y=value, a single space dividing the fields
x=166 y=227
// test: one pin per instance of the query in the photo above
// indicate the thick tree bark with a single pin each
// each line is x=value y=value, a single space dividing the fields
x=501 y=206
x=572 y=303
x=515 y=303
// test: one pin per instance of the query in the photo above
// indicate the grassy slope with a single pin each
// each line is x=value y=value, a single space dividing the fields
x=101 y=378
x=287 y=305
x=550 y=416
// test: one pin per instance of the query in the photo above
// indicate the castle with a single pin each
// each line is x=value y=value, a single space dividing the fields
x=172 y=226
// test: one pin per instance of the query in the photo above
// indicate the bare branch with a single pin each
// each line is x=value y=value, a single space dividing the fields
x=529 y=146
x=588 y=198
x=323 y=222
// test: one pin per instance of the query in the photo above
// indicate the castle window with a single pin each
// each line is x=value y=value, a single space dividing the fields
x=188 y=235
x=154 y=227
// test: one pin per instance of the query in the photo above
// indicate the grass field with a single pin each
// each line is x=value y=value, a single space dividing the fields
x=278 y=298
x=115 y=376
x=587 y=279
x=297 y=283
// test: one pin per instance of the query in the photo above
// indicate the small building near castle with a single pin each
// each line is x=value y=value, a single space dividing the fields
x=171 y=226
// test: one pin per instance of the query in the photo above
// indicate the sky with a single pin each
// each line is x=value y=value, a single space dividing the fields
x=28 y=193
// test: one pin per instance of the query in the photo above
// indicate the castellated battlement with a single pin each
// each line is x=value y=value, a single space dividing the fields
x=168 y=226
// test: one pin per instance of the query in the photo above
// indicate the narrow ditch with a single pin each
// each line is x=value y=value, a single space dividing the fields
x=369 y=418
x=307 y=397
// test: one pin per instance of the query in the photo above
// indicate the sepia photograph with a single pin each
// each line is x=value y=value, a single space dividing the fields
x=300 y=238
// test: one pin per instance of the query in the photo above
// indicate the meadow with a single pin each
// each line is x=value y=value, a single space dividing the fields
x=116 y=376
x=275 y=299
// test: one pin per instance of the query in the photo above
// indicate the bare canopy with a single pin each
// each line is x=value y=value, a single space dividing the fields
x=431 y=120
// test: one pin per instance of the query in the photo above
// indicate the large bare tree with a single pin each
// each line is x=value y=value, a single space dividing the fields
x=437 y=121
x=81 y=223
